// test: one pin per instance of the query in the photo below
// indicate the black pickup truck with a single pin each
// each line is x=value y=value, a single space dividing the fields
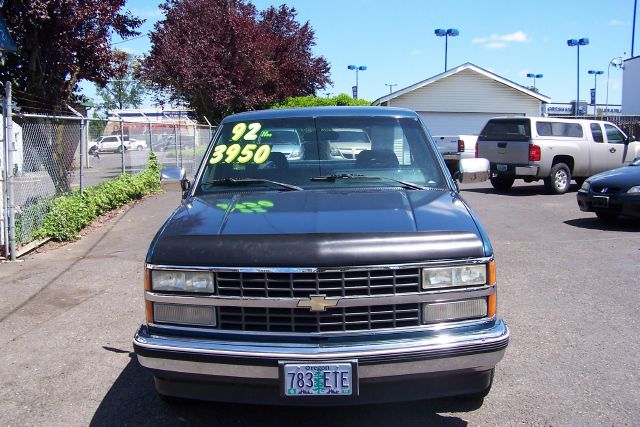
x=322 y=279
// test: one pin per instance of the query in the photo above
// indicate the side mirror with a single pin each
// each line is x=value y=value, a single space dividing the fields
x=631 y=139
x=172 y=177
x=472 y=170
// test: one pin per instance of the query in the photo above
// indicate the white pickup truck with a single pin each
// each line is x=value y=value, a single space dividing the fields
x=456 y=147
x=552 y=149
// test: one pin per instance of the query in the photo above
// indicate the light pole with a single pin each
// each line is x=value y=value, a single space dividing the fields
x=578 y=42
x=391 y=85
x=358 y=68
x=451 y=32
x=595 y=89
x=535 y=76
x=617 y=62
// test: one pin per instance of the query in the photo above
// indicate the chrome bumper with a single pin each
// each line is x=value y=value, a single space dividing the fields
x=442 y=351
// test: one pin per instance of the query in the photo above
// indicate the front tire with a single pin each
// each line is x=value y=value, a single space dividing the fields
x=559 y=179
x=502 y=183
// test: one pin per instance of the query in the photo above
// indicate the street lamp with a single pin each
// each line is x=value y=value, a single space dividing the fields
x=451 y=32
x=578 y=43
x=534 y=76
x=617 y=62
x=595 y=89
x=358 y=68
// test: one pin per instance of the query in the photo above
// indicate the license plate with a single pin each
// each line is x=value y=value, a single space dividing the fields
x=318 y=379
x=502 y=168
x=600 y=202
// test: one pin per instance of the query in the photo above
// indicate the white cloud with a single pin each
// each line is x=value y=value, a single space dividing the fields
x=495 y=45
x=518 y=37
x=500 y=41
x=617 y=23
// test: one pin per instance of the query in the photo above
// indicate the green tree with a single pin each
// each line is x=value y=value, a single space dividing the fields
x=59 y=43
x=126 y=90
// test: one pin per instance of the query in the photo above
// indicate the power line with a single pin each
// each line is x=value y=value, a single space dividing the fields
x=132 y=38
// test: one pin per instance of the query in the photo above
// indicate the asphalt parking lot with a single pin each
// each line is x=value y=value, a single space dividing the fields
x=568 y=289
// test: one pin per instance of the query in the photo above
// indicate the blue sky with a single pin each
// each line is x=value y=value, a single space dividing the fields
x=396 y=41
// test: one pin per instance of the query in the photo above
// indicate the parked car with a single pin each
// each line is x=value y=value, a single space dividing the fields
x=169 y=143
x=456 y=147
x=552 y=149
x=350 y=142
x=136 y=144
x=111 y=143
x=321 y=282
x=285 y=141
x=612 y=193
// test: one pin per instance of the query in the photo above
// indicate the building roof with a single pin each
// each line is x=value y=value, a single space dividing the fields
x=455 y=70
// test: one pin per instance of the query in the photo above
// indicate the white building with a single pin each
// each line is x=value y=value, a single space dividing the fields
x=462 y=99
x=631 y=86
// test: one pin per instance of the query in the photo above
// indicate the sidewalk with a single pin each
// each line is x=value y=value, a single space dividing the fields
x=40 y=286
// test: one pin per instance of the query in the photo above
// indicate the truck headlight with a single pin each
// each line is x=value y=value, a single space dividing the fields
x=585 y=186
x=182 y=281
x=444 y=277
x=634 y=190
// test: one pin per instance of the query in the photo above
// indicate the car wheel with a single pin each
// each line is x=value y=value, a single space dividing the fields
x=139 y=147
x=502 y=183
x=606 y=216
x=121 y=149
x=559 y=179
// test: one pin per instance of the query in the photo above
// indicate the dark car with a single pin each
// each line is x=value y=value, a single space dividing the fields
x=612 y=193
x=321 y=281
x=169 y=143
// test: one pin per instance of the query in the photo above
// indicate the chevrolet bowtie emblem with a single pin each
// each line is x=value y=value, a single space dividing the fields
x=318 y=303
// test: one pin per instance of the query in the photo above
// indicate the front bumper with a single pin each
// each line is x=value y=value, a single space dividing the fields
x=440 y=363
x=619 y=203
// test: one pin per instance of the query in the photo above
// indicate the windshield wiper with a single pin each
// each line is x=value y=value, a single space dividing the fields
x=335 y=177
x=243 y=181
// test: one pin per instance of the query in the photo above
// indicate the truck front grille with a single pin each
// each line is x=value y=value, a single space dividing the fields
x=331 y=284
x=301 y=320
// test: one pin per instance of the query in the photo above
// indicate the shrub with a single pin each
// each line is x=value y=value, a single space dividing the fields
x=311 y=101
x=71 y=212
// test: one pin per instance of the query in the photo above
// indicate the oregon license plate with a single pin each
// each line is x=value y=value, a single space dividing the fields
x=502 y=168
x=319 y=379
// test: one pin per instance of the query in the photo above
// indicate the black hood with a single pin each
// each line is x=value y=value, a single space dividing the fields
x=623 y=178
x=318 y=229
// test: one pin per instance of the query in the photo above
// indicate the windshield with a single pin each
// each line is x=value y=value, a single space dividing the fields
x=249 y=156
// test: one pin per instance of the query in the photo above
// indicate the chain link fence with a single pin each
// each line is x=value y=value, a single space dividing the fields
x=53 y=155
